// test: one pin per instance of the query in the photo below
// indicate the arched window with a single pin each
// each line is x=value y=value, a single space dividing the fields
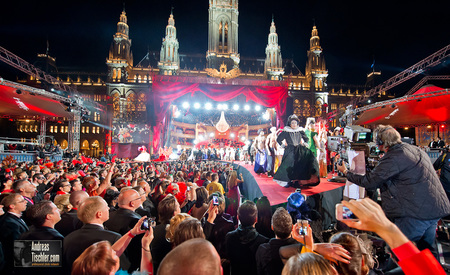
x=141 y=113
x=297 y=107
x=306 y=108
x=85 y=145
x=318 y=107
x=131 y=106
x=116 y=105
x=64 y=144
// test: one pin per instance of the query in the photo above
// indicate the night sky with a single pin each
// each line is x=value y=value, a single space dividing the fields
x=352 y=33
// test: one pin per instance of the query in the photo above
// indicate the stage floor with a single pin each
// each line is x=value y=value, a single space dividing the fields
x=277 y=194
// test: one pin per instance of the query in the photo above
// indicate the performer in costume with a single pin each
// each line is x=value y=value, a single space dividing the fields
x=299 y=167
x=143 y=156
x=260 y=157
x=312 y=135
x=271 y=142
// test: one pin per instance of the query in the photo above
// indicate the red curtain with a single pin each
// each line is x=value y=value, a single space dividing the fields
x=165 y=92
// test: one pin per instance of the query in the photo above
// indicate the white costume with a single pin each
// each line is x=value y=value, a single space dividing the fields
x=143 y=156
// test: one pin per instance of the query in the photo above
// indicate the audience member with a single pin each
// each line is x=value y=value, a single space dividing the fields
x=167 y=208
x=190 y=228
x=69 y=220
x=242 y=243
x=181 y=259
x=11 y=226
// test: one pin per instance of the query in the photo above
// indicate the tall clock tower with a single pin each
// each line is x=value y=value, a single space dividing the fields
x=223 y=34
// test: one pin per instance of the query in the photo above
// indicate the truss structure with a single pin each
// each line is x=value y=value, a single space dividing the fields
x=22 y=65
x=424 y=80
x=416 y=69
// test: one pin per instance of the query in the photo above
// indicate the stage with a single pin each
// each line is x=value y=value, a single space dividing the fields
x=322 y=197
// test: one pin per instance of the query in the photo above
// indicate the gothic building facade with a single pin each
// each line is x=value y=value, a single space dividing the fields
x=125 y=87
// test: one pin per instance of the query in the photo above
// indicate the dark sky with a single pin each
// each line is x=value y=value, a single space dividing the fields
x=397 y=34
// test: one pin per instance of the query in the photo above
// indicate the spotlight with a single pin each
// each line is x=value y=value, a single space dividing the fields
x=257 y=108
x=235 y=107
x=219 y=107
x=211 y=135
x=185 y=105
x=232 y=135
x=242 y=138
x=247 y=107
x=195 y=141
x=19 y=92
x=225 y=106
x=208 y=106
x=197 y=105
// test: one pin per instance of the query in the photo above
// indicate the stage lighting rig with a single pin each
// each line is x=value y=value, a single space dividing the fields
x=257 y=108
x=247 y=107
x=208 y=106
x=235 y=107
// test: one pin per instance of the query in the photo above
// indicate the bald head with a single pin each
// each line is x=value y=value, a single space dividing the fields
x=77 y=197
x=180 y=260
x=129 y=199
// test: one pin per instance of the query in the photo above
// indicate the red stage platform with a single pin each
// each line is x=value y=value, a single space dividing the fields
x=277 y=194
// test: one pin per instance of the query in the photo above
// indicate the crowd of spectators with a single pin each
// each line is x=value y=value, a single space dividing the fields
x=98 y=209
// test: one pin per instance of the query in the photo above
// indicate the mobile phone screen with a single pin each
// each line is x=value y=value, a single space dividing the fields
x=347 y=214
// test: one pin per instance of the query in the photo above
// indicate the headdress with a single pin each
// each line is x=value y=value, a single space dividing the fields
x=291 y=118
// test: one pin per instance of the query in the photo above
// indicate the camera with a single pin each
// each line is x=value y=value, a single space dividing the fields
x=356 y=138
x=148 y=222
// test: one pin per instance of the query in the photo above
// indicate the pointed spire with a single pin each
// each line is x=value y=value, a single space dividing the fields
x=273 y=29
x=123 y=6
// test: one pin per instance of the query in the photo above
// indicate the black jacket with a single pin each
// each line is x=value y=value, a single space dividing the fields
x=268 y=260
x=443 y=163
x=69 y=222
x=121 y=221
x=76 y=242
x=241 y=245
x=11 y=227
x=41 y=233
x=408 y=183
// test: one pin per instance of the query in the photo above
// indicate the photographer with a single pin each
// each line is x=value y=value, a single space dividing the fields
x=443 y=163
x=412 y=196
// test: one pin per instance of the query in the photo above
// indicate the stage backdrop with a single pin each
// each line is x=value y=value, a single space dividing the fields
x=165 y=90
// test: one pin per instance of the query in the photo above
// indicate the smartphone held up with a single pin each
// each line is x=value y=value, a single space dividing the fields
x=343 y=213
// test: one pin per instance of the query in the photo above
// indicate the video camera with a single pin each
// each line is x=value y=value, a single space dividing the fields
x=355 y=138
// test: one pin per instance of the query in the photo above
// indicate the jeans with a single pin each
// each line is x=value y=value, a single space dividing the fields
x=422 y=232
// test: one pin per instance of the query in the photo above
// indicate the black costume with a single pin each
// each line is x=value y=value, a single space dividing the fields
x=298 y=162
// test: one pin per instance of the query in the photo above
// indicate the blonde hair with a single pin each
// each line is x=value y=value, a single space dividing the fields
x=62 y=203
x=232 y=179
x=307 y=263
x=174 y=222
x=89 y=208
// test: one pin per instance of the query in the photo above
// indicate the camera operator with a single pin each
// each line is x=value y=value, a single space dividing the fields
x=412 y=196
x=443 y=163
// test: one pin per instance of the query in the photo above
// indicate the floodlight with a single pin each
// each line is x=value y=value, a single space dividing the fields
x=247 y=107
x=235 y=107
x=185 y=105
x=197 y=105
x=257 y=108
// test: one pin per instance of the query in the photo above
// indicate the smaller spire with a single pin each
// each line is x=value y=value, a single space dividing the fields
x=171 y=10
x=123 y=6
